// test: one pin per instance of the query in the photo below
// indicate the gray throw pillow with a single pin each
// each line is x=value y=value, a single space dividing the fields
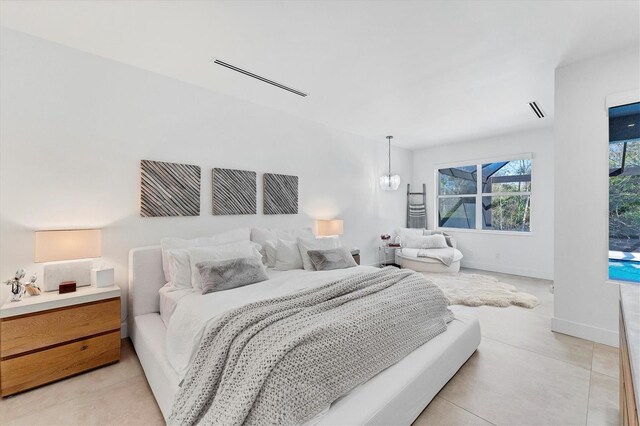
x=337 y=258
x=219 y=275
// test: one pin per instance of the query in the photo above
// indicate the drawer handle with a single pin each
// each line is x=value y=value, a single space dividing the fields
x=84 y=347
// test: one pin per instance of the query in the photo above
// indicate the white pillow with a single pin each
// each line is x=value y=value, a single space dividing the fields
x=287 y=256
x=451 y=242
x=306 y=244
x=405 y=233
x=271 y=250
x=219 y=252
x=240 y=234
x=168 y=244
x=434 y=241
x=179 y=269
x=293 y=234
x=262 y=235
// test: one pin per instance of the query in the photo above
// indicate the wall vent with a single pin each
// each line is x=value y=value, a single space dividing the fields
x=257 y=77
x=536 y=109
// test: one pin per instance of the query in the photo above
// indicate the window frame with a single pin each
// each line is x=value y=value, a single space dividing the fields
x=611 y=101
x=479 y=194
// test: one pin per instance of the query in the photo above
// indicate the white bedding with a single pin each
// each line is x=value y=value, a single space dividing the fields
x=169 y=298
x=193 y=311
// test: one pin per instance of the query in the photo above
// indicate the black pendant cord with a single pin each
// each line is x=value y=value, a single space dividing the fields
x=389 y=139
x=389 y=160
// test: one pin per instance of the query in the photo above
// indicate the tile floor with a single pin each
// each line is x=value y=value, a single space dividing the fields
x=522 y=374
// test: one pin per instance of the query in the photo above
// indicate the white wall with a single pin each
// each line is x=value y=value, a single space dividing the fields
x=585 y=304
x=74 y=128
x=526 y=254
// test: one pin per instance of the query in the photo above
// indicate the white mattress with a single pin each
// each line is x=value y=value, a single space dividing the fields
x=395 y=396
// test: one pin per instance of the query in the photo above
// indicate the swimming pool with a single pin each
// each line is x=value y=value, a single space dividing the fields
x=624 y=270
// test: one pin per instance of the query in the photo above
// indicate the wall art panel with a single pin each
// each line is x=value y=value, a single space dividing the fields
x=234 y=192
x=169 y=189
x=280 y=194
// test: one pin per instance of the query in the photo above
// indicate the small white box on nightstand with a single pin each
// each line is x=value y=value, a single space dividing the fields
x=102 y=277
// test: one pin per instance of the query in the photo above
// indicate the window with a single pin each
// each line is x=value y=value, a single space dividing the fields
x=487 y=196
x=457 y=197
x=624 y=192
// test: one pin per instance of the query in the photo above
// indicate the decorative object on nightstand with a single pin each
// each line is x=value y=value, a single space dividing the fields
x=68 y=246
x=67 y=287
x=18 y=288
x=32 y=288
x=102 y=277
x=53 y=336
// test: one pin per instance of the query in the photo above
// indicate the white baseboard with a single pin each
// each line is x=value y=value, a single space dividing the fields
x=583 y=331
x=506 y=269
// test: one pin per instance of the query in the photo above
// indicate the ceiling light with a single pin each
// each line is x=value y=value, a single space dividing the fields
x=389 y=182
x=257 y=77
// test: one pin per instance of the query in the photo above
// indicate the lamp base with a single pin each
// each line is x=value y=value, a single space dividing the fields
x=75 y=270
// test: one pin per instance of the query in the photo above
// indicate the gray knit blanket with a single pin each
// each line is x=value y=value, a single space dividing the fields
x=282 y=361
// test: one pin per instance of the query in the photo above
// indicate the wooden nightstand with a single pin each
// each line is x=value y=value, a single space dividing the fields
x=356 y=255
x=52 y=336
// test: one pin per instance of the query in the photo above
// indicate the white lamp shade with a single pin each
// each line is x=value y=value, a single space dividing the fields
x=326 y=228
x=71 y=244
x=389 y=183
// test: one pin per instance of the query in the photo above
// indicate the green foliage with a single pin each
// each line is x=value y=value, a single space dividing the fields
x=508 y=212
x=624 y=199
x=500 y=212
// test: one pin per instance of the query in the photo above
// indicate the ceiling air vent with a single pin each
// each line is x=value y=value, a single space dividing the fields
x=257 y=77
x=536 y=109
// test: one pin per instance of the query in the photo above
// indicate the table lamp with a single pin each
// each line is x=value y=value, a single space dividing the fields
x=65 y=248
x=329 y=228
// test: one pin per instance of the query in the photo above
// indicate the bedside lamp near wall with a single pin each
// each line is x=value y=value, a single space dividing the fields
x=72 y=251
x=329 y=228
x=335 y=228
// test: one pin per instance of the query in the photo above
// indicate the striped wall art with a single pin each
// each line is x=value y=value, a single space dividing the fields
x=280 y=194
x=169 y=189
x=234 y=192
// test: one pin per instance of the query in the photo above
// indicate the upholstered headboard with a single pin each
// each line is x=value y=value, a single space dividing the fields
x=146 y=277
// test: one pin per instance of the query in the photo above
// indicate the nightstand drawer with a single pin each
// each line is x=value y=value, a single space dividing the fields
x=27 y=371
x=39 y=330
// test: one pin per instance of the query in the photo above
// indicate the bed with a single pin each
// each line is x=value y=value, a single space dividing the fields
x=396 y=395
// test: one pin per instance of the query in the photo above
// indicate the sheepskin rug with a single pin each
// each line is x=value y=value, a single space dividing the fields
x=478 y=290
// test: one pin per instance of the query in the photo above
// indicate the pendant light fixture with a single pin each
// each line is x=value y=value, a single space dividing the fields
x=389 y=182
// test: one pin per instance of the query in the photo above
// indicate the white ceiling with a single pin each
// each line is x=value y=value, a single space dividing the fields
x=427 y=72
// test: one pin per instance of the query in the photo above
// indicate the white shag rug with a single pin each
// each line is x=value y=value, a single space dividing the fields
x=478 y=290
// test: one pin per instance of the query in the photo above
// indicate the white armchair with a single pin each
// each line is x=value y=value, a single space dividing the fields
x=408 y=258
